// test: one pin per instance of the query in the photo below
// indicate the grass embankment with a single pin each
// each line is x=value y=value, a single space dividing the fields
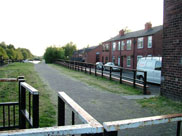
x=157 y=105
x=161 y=105
x=98 y=82
x=9 y=91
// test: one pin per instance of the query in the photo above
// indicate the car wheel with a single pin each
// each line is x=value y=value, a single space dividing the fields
x=141 y=78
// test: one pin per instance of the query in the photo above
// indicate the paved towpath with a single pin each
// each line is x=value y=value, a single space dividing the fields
x=102 y=105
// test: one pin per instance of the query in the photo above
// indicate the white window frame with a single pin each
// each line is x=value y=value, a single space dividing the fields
x=140 y=43
x=128 y=61
x=122 y=45
x=114 y=46
x=149 y=44
x=119 y=45
x=128 y=45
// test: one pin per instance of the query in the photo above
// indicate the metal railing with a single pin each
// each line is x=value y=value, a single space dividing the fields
x=92 y=69
x=9 y=115
x=114 y=126
x=17 y=116
x=32 y=114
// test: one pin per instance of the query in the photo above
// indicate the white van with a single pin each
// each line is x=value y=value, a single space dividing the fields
x=152 y=65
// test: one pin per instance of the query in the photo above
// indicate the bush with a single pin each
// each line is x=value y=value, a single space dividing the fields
x=53 y=53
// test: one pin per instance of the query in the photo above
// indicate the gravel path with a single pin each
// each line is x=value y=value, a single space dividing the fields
x=102 y=105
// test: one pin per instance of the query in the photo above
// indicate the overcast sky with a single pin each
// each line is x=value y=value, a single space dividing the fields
x=37 y=24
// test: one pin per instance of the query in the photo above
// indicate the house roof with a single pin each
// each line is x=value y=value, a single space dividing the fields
x=85 y=50
x=135 y=34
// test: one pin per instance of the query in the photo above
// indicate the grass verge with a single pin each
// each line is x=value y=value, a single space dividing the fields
x=98 y=82
x=9 y=91
x=161 y=105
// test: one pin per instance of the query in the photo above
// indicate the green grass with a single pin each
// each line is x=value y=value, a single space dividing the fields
x=161 y=105
x=9 y=91
x=98 y=82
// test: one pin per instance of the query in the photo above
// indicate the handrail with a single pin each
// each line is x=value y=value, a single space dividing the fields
x=83 y=115
x=29 y=88
x=141 y=122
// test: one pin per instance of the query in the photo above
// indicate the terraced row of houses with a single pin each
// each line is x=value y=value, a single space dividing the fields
x=125 y=49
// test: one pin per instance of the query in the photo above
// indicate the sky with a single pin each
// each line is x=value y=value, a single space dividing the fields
x=38 y=24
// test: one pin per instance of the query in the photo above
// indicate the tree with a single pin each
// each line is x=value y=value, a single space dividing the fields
x=11 y=53
x=3 y=54
x=69 y=48
x=19 y=55
x=53 y=53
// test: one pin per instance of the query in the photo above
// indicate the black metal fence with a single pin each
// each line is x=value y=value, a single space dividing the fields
x=15 y=114
x=92 y=69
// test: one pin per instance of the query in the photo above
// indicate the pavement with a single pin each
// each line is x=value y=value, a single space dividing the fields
x=102 y=105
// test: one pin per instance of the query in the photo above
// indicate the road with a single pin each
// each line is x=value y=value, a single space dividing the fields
x=128 y=75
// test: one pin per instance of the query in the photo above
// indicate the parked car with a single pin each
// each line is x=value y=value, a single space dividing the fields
x=111 y=64
x=99 y=65
x=152 y=65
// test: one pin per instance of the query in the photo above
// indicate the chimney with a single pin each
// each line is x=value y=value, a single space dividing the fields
x=121 y=32
x=148 y=25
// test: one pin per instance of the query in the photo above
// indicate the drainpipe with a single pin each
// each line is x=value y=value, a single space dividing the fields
x=134 y=43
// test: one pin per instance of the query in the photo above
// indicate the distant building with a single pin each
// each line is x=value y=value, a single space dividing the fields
x=89 y=55
x=126 y=48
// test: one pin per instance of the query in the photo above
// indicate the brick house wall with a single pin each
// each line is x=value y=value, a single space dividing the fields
x=90 y=56
x=172 y=50
x=156 y=49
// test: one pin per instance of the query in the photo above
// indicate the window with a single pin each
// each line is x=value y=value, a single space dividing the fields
x=113 y=59
x=140 y=43
x=139 y=57
x=128 y=44
x=114 y=46
x=128 y=61
x=106 y=47
x=149 y=42
x=158 y=65
x=119 y=44
x=122 y=45
x=106 y=59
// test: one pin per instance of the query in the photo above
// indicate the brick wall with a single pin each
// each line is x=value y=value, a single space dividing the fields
x=172 y=50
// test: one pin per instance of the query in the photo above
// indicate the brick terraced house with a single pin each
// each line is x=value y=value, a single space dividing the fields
x=126 y=48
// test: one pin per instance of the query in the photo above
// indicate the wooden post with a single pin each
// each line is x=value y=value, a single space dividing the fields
x=102 y=70
x=110 y=73
x=95 y=70
x=121 y=72
x=61 y=112
x=134 y=78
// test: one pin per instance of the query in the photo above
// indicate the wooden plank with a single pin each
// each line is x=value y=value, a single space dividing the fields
x=141 y=122
x=82 y=114
x=61 y=130
x=8 y=80
x=29 y=88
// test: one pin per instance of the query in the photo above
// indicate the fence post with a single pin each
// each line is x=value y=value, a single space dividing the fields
x=22 y=106
x=95 y=70
x=121 y=72
x=145 y=83
x=85 y=68
x=102 y=70
x=110 y=73
x=61 y=112
x=35 y=110
x=90 y=69
x=178 y=128
x=134 y=78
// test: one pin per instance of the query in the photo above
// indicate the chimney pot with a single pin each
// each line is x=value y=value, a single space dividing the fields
x=148 y=25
